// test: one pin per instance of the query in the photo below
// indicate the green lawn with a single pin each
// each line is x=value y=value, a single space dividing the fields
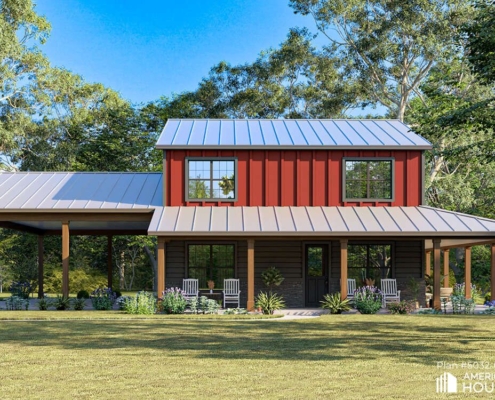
x=332 y=357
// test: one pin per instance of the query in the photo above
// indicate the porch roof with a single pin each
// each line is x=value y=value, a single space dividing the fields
x=422 y=221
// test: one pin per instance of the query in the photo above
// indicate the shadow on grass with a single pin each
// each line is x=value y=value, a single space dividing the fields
x=396 y=338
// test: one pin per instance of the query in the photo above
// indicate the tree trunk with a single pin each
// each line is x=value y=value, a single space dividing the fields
x=122 y=271
x=154 y=266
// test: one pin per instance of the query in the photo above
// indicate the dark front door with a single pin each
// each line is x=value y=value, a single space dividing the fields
x=316 y=257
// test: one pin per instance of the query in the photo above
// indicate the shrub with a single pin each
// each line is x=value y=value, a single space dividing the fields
x=368 y=299
x=173 y=301
x=80 y=279
x=489 y=311
x=121 y=301
x=142 y=303
x=334 y=304
x=61 y=303
x=79 y=304
x=103 y=298
x=16 y=303
x=235 y=311
x=488 y=297
x=83 y=294
x=118 y=293
x=272 y=277
x=403 y=307
x=203 y=305
x=21 y=289
x=44 y=303
x=461 y=305
x=269 y=302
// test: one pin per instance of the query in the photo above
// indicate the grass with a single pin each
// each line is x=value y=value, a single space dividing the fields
x=345 y=357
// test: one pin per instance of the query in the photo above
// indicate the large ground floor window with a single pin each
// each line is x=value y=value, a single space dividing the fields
x=214 y=262
x=369 y=262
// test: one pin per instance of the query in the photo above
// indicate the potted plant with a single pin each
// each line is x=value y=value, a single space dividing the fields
x=413 y=287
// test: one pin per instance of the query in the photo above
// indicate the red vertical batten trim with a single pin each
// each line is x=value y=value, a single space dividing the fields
x=249 y=179
x=266 y=179
x=298 y=178
x=281 y=186
x=312 y=172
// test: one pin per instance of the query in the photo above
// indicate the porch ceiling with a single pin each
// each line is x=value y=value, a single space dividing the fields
x=421 y=222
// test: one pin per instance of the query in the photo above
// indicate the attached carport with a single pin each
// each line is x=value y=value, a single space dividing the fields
x=69 y=204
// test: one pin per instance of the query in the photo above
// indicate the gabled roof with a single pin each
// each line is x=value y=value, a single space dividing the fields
x=73 y=191
x=318 y=221
x=289 y=134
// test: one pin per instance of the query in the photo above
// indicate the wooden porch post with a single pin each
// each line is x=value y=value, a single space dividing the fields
x=492 y=276
x=109 y=262
x=41 y=262
x=436 y=274
x=446 y=254
x=428 y=263
x=343 y=269
x=160 y=287
x=65 y=259
x=467 y=277
x=250 y=274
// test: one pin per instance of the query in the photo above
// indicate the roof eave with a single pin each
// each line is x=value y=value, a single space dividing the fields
x=291 y=147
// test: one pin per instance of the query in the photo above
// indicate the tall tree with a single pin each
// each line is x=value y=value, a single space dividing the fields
x=21 y=62
x=389 y=46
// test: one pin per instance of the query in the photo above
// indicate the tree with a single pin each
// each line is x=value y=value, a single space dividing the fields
x=21 y=62
x=480 y=41
x=389 y=46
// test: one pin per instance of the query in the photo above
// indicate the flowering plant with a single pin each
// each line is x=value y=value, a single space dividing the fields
x=103 y=298
x=173 y=301
x=459 y=289
x=368 y=299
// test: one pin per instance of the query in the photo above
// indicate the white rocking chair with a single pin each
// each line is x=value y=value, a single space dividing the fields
x=190 y=288
x=351 y=288
x=389 y=290
x=231 y=292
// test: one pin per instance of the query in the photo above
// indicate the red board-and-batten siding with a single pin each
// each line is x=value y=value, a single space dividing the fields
x=295 y=177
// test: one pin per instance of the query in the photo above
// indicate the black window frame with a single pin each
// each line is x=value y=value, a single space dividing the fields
x=391 y=160
x=210 y=159
x=210 y=274
x=391 y=266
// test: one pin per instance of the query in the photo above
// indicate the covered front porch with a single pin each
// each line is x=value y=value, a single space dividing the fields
x=274 y=236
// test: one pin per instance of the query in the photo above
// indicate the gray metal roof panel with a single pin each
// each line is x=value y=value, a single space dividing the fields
x=304 y=133
x=387 y=222
x=27 y=191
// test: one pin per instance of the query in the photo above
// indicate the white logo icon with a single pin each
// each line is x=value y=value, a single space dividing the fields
x=446 y=383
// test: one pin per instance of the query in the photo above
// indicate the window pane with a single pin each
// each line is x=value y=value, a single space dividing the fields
x=199 y=189
x=368 y=179
x=216 y=262
x=315 y=261
x=369 y=262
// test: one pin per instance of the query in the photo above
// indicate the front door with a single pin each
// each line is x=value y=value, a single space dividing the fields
x=316 y=257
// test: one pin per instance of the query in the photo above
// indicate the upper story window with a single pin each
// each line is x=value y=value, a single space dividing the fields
x=368 y=179
x=211 y=179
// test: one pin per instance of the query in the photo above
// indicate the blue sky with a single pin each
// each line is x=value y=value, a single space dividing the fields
x=149 y=48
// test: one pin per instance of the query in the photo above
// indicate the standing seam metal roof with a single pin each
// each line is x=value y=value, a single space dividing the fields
x=106 y=191
x=323 y=221
x=290 y=133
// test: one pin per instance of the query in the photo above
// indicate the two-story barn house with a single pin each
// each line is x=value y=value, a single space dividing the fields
x=321 y=200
